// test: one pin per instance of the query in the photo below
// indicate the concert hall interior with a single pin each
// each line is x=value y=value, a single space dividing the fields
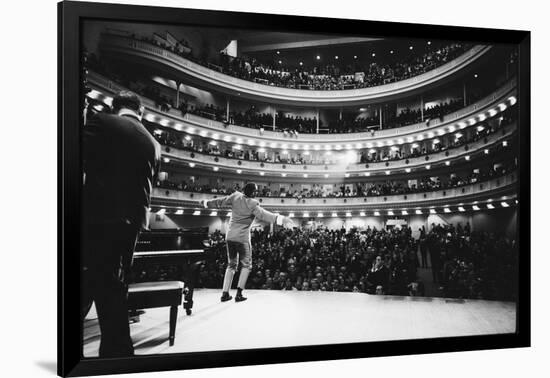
x=390 y=167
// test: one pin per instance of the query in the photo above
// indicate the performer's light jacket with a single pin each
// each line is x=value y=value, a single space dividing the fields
x=243 y=212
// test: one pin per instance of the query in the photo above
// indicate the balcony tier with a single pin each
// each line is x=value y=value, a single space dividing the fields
x=175 y=66
x=496 y=189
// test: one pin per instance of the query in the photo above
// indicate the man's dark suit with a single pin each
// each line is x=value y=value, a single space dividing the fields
x=120 y=161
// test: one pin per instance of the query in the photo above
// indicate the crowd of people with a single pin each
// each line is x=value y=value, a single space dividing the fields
x=464 y=264
x=388 y=187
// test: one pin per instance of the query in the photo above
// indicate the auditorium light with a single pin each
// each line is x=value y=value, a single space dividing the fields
x=513 y=100
x=306 y=153
x=166 y=160
x=197 y=212
x=278 y=52
x=262 y=144
x=187 y=138
x=273 y=145
x=192 y=165
x=227 y=138
x=446 y=210
x=367 y=174
x=472 y=121
x=334 y=215
x=373 y=55
x=251 y=142
x=461 y=209
x=306 y=215
x=358 y=145
x=318 y=57
x=320 y=215
x=362 y=213
x=452 y=128
x=432 y=211
x=418 y=212
x=475 y=207
x=149 y=117
x=280 y=61
x=467 y=157
x=447 y=163
x=216 y=169
x=391 y=51
x=203 y=133
x=486 y=151
x=190 y=130
x=377 y=213
x=305 y=175
x=214 y=213
x=346 y=175
x=328 y=153
x=161 y=212
x=239 y=171
x=164 y=122
x=429 y=42
x=261 y=150
x=338 y=147
x=420 y=137
x=348 y=214
x=294 y=146
x=404 y=212
x=326 y=175
x=284 y=152
x=408 y=170
x=306 y=147
x=502 y=107
x=394 y=148
x=504 y=204
x=291 y=215
x=316 y=147
x=301 y=63
x=157 y=132
x=430 y=135
x=213 y=143
x=283 y=174
x=372 y=151
x=390 y=213
x=414 y=145
x=458 y=136
x=492 y=112
x=428 y=166
x=239 y=140
x=388 y=172
x=262 y=173
x=475 y=75
x=490 y=206
x=410 y=47
x=461 y=125
x=179 y=212
x=504 y=144
x=349 y=146
x=336 y=57
x=480 y=128
x=229 y=213
x=355 y=57
x=215 y=136
x=482 y=117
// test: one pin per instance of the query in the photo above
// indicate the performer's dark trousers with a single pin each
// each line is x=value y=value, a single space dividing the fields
x=107 y=256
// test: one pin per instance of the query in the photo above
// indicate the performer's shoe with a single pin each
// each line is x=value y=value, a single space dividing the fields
x=239 y=298
x=226 y=297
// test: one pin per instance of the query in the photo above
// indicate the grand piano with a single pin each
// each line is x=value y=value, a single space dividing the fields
x=171 y=254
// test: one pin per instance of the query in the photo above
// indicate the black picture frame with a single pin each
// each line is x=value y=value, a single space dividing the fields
x=70 y=362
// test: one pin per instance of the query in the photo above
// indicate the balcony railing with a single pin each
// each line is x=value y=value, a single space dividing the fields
x=338 y=169
x=144 y=50
x=494 y=189
x=199 y=125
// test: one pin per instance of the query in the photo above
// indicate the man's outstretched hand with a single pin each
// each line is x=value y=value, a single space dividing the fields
x=288 y=223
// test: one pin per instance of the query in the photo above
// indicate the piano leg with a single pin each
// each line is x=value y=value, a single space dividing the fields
x=190 y=279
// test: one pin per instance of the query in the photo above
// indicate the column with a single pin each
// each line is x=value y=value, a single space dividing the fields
x=178 y=94
x=274 y=117
x=340 y=115
x=317 y=121
x=380 y=114
x=227 y=110
x=422 y=108
x=464 y=94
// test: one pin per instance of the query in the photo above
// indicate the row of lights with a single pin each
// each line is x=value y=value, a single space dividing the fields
x=336 y=57
x=376 y=213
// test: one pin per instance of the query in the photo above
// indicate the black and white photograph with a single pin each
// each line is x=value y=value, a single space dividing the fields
x=247 y=188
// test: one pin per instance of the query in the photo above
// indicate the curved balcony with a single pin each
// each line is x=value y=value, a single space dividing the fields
x=177 y=66
x=193 y=124
x=318 y=170
x=496 y=189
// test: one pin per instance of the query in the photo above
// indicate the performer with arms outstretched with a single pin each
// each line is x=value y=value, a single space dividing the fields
x=244 y=209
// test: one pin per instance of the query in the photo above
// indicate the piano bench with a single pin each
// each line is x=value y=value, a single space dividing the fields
x=157 y=294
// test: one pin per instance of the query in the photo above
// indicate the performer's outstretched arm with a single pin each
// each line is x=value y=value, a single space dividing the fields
x=218 y=203
x=269 y=217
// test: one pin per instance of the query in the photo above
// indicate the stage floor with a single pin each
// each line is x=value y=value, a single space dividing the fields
x=290 y=318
